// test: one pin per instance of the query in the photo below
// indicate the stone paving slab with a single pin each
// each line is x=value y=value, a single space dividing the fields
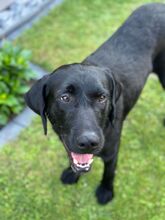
x=26 y=22
x=18 y=12
x=5 y=4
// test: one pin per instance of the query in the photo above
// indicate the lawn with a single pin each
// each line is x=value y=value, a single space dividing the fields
x=30 y=167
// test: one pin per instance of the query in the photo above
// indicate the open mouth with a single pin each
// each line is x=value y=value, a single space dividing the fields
x=81 y=162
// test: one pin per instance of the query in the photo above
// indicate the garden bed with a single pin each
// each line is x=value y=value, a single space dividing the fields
x=9 y=11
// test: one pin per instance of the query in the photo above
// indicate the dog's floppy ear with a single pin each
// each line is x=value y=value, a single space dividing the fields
x=35 y=99
x=115 y=91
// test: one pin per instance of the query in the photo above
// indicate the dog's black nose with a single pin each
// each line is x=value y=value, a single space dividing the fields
x=88 y=140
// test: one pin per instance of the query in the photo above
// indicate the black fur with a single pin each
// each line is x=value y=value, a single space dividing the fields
x=95 y=96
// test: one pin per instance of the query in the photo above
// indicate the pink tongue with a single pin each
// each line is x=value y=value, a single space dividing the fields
x=82 y=158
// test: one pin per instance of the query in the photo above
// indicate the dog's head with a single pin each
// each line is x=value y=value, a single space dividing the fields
x=79 y=100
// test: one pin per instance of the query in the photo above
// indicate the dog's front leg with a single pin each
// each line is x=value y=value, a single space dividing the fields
x=69 y=177
x=105 y=192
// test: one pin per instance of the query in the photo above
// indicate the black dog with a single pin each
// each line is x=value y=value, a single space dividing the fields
x=87 y=103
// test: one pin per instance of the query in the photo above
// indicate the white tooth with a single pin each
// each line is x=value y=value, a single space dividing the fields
x=91 y=160
x=79 y=165
x=75 y=161
x=82 y=165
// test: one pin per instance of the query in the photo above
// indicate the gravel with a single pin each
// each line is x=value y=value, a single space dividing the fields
x=17 y=11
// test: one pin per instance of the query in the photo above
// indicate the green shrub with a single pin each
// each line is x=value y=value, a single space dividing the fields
x=14 y=77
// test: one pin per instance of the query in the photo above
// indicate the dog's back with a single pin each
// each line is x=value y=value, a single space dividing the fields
x=146 y=25
x=136 y=49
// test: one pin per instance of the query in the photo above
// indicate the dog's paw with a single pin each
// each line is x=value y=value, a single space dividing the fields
x=103 y=195
x=69 y=177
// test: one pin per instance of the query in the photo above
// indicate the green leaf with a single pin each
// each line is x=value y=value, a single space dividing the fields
x=3 y=119
x=15 y=74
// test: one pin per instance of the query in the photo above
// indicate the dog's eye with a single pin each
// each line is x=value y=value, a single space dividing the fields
x=102 y=98
x=65 y=98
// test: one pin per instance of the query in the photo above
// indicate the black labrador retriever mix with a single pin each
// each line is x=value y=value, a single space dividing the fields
x=87 y=102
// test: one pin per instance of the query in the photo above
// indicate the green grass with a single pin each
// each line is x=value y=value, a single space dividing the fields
x=30 y=167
